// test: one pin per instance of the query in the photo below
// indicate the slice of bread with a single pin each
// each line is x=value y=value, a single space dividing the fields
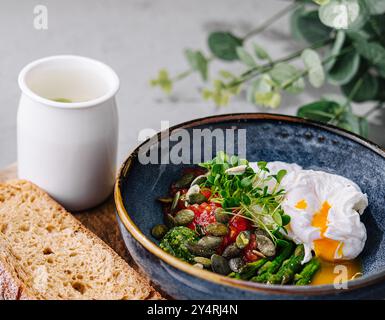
x=45 y=253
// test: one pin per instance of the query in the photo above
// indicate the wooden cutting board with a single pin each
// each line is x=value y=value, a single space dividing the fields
x=101 y=221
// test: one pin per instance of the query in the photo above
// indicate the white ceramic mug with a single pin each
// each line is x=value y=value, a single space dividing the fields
x=68 y=148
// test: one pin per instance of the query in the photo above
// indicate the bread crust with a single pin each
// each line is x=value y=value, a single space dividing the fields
x=11 y=286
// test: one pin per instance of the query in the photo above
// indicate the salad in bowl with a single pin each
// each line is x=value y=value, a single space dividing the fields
x=265 y=222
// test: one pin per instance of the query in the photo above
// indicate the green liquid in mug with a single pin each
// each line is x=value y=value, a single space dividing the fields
x=64 y=100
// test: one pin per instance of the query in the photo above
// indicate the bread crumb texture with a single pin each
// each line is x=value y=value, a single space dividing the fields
x=45 y=253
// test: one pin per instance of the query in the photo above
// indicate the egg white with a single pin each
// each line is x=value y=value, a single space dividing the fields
x=315 y=188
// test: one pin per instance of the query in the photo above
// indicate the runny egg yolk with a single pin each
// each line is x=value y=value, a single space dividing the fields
x=326 y=248
x=302 y=204
x=328 y=273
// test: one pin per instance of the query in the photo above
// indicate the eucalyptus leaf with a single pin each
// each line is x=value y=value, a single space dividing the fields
x=322 y=110
x=368 y=88
x=340 y=99
x=296 y=87
x=245 y=57
x=263 y=84
x=374 y=52
x=224 y=45
x=308 y=26
x=283 y=73
x=350 y=122
x=364 y=127
x=339 y=14
x=344 y=69
x=268 y=99
x=313 y=64
x=261 y=53
x=197 y=62
x=362 y=18
x=334 y=113
x=335 y=50
x=294 y=18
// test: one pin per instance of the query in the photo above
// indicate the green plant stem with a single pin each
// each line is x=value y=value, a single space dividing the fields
x=252 y=72
x=186 y=73
x=356 y=87
x=271 y=20
x=325 y=61
x=251 y=33
x=182 y=75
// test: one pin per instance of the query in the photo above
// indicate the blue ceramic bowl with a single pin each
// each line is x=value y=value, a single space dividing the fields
x=268 y=137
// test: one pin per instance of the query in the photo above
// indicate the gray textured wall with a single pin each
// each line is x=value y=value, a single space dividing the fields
x=136 y=37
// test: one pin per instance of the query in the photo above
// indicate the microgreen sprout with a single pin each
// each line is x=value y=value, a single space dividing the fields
x=255 y=195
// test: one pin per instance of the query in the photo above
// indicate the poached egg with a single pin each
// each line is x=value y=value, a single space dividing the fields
x=325 y=212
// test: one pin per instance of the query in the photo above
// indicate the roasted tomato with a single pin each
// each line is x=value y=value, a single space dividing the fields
x=236 y=225
x=248 y=251
x=204 y=214
x=206 y=192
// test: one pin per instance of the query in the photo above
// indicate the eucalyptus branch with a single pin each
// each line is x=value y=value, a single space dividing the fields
x=253 y=72
x=272 y=76
x=184 y=74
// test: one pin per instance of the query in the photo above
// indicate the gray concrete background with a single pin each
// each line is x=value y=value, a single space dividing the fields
x=137 y=38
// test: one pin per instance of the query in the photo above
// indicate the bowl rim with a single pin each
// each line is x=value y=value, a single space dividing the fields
x=209 y=276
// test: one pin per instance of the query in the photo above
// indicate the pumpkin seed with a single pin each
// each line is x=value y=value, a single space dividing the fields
x=236 y=264
x=159 y=231
x=170 y=221
x=259 y=254
x=193 y=190
x=221 y=215
x=220 y=265
x=199 y=179
x=231 y=251
x=185 y=180
x=196 y=198
x=261 y=232
x=165 y=200
x=210 y=242
x=242 y=239
x=175 y=201
x=236 y=170
x=184 y=216
x=198 y=265
x=198 y=250
x=206 y=262
x=217 y=229
x=265 y=245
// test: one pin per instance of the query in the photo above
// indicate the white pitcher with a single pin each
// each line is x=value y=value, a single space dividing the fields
x=67 y=129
